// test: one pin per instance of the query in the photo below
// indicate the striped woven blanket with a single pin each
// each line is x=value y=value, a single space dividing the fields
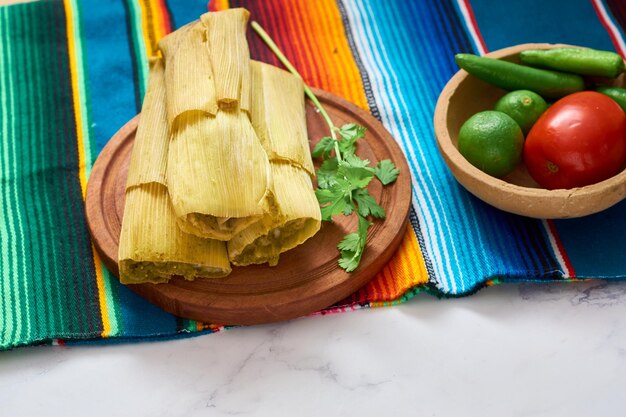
x=72 y=72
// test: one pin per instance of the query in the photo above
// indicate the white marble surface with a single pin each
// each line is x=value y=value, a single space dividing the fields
x=529 y=350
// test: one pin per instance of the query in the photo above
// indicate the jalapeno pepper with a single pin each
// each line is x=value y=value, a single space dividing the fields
x=576 y=60
x=511 y=76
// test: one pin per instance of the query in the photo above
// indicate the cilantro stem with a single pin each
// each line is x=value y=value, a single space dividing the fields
x=279 y=54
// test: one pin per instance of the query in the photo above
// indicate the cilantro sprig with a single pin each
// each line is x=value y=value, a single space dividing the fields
x=343 y=177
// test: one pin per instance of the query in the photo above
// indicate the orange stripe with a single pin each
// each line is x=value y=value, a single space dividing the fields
x=153 y=24
x=217 y=5
x=320 y=49
x=342 y=55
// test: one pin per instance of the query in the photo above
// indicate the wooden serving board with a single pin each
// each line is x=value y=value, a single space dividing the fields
x=306 y=278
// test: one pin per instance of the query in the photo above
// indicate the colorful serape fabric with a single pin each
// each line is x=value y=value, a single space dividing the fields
x=72 y=72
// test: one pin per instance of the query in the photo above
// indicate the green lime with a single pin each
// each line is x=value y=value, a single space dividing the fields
x=523 y=106
x=492 y=142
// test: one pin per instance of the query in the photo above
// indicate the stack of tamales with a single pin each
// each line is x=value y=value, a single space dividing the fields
x=152 y=246
x=221 y=168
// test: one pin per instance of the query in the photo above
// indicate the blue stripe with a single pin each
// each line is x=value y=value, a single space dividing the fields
x=473 y=241
x=109 y=74
x=595 y=243
x=183 y=12
x=109 y=68
x=513 y=22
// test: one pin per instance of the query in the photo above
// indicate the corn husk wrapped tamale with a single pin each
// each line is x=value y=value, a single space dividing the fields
x=297 y=219
x=278 y=116
x=188 y=73
x=218 y=174
x=152 y=248
x=219 y=177
x=229 y=56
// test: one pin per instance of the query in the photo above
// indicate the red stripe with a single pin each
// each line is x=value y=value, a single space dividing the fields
x=559 y=244
x=470 y=12
x=167 y=21
x=607 y=27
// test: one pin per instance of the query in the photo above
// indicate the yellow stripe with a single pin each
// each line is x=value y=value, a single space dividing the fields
x=152 y=25
x=221 y=4
x=71 y=43
x=106 y=322
x=150 y=49
x=158 y=25
x=72 y=35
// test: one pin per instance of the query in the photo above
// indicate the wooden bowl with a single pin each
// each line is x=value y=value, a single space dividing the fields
x=465 y=95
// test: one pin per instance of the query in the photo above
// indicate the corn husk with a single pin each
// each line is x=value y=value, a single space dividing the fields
x=218 y=176
x=189 y=78
x=297 y=219
x=278 y=115
x=229 y=56
x=152 y=248
x=148 y=162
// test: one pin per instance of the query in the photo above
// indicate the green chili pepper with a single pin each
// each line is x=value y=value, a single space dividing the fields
x=582 y=61
x=510 y=76
x=618 y=95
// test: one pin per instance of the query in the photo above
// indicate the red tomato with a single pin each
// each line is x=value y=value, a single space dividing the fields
x=579 y=140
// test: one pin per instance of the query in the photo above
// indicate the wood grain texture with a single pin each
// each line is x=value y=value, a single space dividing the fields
x=306 y=278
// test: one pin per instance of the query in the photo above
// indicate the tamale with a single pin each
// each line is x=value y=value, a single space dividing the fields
x=189 y=78
x=218 y=175
x=229 y=56
x=278 y=116
x=152 y=248
x=297 y=219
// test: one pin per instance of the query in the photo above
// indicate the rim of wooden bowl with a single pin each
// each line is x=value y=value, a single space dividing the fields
x=527 y=201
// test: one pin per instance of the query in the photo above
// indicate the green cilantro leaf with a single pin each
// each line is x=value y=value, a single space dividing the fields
x=386 y=171
x=366 y=204
x=355 y=161
x=335 y=199
x=327 y=173
x=324 y=147
x=351 y=131
x=353 y=245
x=358 y=176
x=350 y=242
x=349 y=134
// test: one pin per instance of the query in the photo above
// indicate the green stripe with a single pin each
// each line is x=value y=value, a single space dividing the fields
x=68 y=153
x=18 y=190
x=61 y=286
x=85 y=272
x=52 y=284
x=9 y=133
x=7 y=311
x=191 y=325
x=89 y=144
x=113 y=311
x=40 y=271
x=36 y=186
x=140 y=46
x=82 y=85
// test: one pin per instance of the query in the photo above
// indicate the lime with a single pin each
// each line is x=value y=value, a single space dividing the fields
x=492 y=142
x=523 y=106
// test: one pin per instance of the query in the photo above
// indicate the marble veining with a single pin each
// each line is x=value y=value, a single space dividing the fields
x=512 y=350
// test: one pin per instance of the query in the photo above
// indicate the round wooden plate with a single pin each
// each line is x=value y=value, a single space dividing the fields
x=306 y=278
